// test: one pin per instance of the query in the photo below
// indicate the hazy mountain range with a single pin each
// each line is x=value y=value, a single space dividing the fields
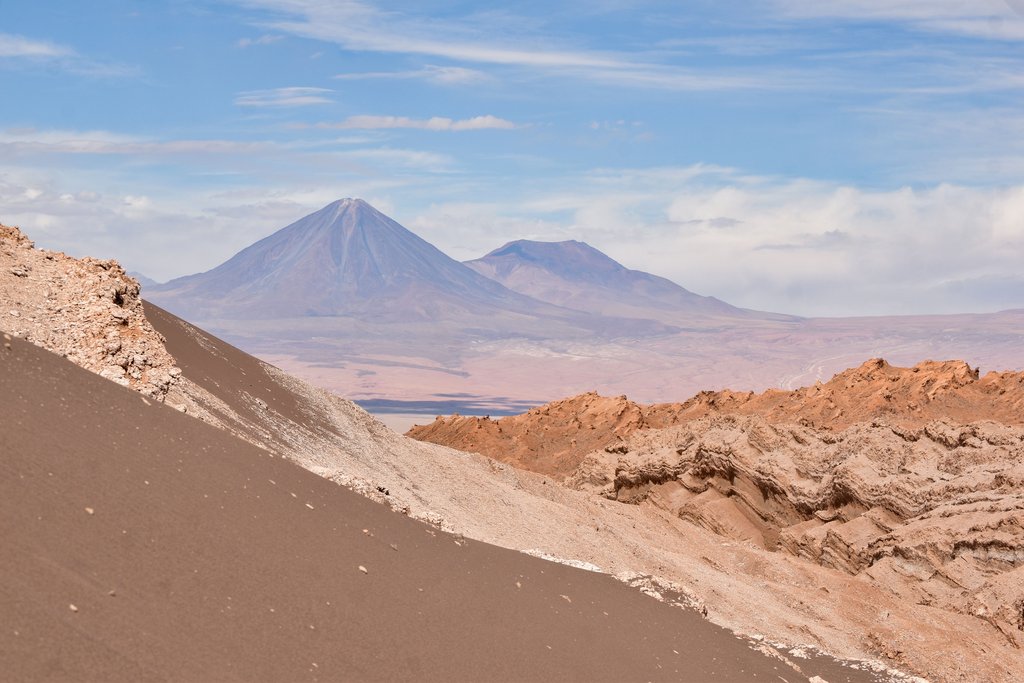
x=350 y=299
x=348 y=260
x=576 y=275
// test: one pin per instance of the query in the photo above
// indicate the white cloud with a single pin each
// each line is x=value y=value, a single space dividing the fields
x=27 y=142
x=283 y=97
x=30 y=50
x=994 y=19
x=405 y=158
x=789 y=245
x=442 y=75
x=438 y=123
x=19 y=46
x=265 y=39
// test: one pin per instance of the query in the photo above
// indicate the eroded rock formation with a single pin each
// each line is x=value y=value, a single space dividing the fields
x=553 y=439
x=934 y=514
x=87 y=310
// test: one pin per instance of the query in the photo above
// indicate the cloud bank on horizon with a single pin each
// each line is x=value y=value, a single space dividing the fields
x=842 y=158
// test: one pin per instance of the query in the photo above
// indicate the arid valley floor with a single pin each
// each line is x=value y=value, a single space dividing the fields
x=176 y=509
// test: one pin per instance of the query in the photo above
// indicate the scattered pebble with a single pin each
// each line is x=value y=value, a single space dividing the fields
x=112 y=593
x=90 y=511
x=309 y=506
x=363 y=569
x=394 y=547
x=73 y=608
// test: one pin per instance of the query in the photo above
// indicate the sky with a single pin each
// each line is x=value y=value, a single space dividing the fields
x=815 y=157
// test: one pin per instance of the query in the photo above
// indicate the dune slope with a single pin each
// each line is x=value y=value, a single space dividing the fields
x=144 y=545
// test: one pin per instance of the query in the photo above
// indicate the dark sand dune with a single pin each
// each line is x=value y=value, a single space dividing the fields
x=141 y=544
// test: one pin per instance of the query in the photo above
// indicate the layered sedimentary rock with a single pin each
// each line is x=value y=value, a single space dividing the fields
x=934 y=514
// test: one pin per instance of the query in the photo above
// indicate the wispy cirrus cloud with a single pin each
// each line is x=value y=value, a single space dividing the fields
x=31 y=50
x=442 y=75
x=993 y=19
x=283 y=97
x=44 y=148
x=483 y=39
x=30 y=141
x=20 y=46
x=265 y=39
x=438 y=123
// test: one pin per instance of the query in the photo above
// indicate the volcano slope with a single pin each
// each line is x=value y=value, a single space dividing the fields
x=141 y=544
x=746 y=588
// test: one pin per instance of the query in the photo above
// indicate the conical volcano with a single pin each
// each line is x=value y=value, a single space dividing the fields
x=347 y=259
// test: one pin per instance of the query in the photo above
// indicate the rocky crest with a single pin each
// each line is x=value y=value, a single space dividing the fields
x=553 y=439
x=87 y=310
x=550 y=439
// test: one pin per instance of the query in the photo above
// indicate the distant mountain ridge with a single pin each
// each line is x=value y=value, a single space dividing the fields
x=576 y=275
x=349 y=260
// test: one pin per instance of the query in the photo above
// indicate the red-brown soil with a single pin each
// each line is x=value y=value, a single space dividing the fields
x=553 y=439
x=141 y=544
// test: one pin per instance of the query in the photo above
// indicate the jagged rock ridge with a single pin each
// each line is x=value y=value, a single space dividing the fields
x=553 y=438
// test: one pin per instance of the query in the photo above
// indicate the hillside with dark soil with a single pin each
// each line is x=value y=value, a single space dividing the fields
x=142 y=544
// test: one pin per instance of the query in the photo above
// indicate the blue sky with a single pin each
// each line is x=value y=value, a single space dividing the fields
x=830 y=158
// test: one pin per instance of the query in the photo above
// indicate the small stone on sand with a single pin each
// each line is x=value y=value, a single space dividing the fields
x=363 y=569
